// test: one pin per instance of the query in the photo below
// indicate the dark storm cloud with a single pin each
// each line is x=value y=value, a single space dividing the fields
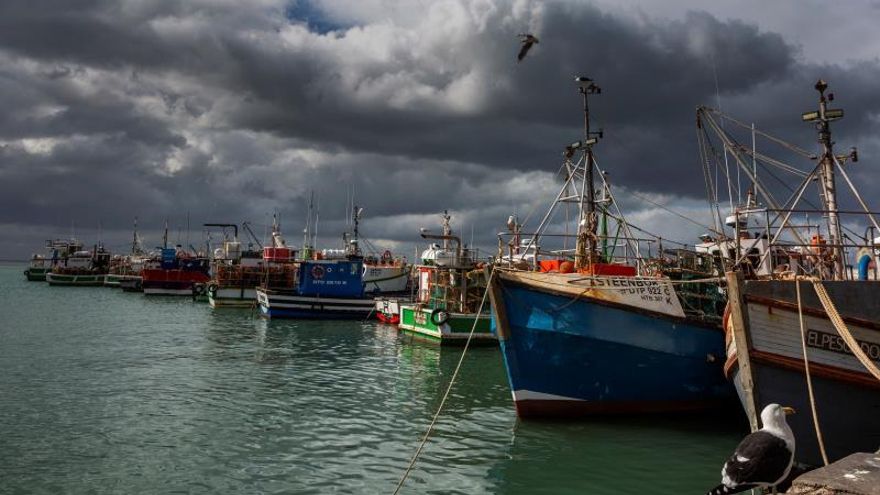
x=230 y=110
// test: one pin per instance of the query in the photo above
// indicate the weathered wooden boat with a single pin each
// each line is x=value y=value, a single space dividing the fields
x=803 y=326
x=82 y=268
x=599 y=329
x=451 y=285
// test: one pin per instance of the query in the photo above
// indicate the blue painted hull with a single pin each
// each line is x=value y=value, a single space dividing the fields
x=567 y=358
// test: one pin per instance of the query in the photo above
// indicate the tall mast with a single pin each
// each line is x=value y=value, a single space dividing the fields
x=823 y=118
x=165 y=236
x=355 y=217
x=585 y=252
x=135 y=248
x=447 y=228
x=307 y=233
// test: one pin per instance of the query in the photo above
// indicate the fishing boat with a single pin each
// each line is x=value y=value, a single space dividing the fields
x=803 y=317
x=126 y=270
x=236 y=273
x=82 y=268
x=176 y=272
x=59 y=250
x=599 y=329
x=451 y=285
x=330 y=285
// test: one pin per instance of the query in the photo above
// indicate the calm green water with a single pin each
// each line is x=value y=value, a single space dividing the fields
x=107 y=392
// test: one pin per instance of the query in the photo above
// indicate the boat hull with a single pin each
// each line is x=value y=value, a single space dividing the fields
x=416 y=320
x=569 y=357
x=385 y=279
x=36 y=274
x=115 y=279
x=847 y=398
x=232 y=297
x=288 y=304
x=388 y=310
x=174 y=282
x=87 y=280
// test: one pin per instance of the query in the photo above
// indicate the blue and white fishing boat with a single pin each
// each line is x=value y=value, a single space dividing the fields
x=333 y=288
x=325 y=289
x=601 y=329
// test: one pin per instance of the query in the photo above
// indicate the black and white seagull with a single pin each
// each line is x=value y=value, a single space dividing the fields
x=763 y=459
x=527 y=41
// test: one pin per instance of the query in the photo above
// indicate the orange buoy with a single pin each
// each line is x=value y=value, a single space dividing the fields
x=566 y=267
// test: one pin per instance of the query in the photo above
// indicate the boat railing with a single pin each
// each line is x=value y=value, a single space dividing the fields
x=802 y=248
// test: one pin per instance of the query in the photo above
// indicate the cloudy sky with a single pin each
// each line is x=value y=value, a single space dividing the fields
x=225 y=111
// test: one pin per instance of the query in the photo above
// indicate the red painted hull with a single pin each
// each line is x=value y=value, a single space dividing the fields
x=389 y=319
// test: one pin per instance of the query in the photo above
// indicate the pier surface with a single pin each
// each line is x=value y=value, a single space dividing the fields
x=857 y=474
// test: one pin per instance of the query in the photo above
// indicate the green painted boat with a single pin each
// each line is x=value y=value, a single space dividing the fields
x=450 y=295
x=36 y=273
x=79 y=279
x=446 y=328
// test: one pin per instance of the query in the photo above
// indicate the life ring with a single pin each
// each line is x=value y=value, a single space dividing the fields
x=439 y=316
x=198 y=290
x=317 y=272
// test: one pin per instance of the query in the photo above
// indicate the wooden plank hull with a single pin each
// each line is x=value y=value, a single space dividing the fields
x=571 y=352
x=847 y=397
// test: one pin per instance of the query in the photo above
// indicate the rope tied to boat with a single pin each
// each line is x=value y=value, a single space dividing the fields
x=842 y=329
x=467 y=343
x=809 y=378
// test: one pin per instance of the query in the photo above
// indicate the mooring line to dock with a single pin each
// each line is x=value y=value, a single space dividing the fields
x=819 y=437
x=467 y=343
x=844 y=332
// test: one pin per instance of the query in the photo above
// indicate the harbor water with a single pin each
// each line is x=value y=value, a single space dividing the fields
x=112 y=392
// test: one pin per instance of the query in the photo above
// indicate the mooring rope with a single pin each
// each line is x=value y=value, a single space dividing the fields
x=819 y=436
x=467 y=343
x=844 y=332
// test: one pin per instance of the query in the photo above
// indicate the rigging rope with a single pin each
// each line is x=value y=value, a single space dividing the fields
x=844 y=332
x=467 y=343
x=819 y=437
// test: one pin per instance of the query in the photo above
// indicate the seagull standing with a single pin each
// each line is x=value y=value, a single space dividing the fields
x=763 y=459
x=527 y=41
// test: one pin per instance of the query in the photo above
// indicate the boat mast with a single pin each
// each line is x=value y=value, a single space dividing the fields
x=354 y=249
x=165 y=236
x=585 y=251
x=307 y=232
x=135 y=244
x=823 y=117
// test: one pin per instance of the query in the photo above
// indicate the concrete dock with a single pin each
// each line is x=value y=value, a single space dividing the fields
x=857 y=474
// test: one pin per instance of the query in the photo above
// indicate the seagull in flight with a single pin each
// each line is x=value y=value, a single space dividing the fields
x=527 y=41
x=763 y=459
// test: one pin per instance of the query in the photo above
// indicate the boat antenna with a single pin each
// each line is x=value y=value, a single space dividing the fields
x=307 y=232
x=585 y=252
x=823 y=118
x=315 y=232
x=165 y=237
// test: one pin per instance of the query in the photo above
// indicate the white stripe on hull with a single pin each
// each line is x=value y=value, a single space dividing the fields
x=519 y=395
